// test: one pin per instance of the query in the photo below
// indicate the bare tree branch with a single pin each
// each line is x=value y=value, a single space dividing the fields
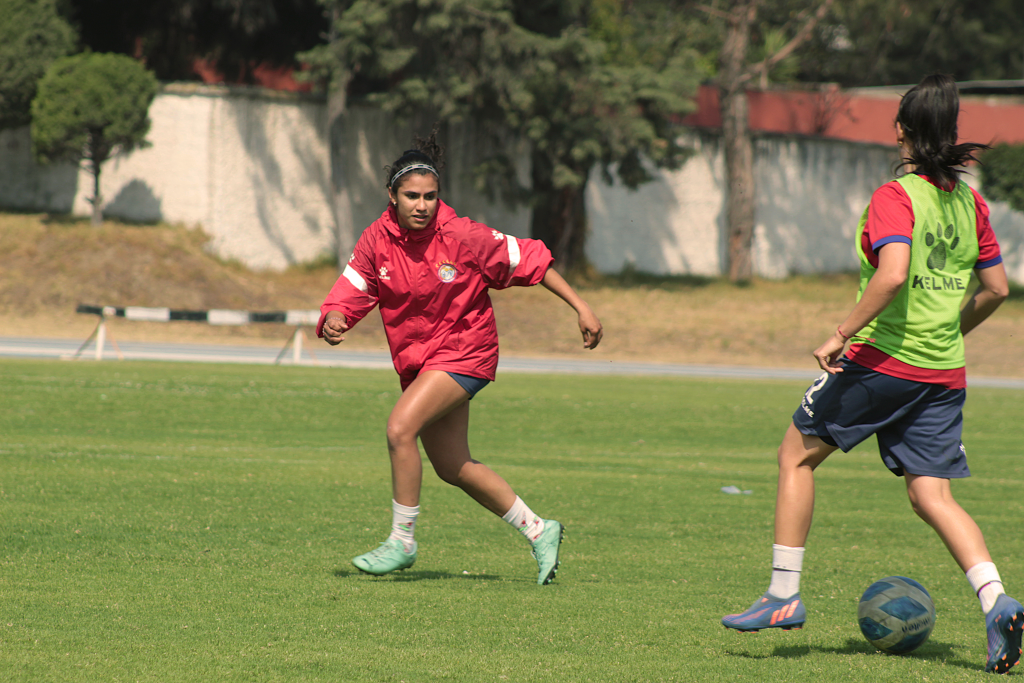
x=800 y=17
x=715 y=12
x=796 y=41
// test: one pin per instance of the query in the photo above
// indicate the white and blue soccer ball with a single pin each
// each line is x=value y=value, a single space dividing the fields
x=896 y=614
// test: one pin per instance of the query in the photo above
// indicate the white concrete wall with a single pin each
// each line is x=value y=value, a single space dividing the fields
x=672 y=225
x=1009 y=228
x=254 y=170
x=172 y=179
x=810 y=195
x=269 y=196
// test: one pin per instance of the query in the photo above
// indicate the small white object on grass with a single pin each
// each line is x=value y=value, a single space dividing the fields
x=734 y=490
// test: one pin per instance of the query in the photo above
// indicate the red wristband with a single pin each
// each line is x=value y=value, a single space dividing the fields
x=840 y=332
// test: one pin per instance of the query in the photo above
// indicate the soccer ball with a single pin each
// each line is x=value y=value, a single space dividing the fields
x=896 y=614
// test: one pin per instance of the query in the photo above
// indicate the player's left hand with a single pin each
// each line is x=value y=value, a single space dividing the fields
x=591 y=328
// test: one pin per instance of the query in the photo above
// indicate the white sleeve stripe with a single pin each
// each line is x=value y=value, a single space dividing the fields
x=355 y=278
x=513 y=253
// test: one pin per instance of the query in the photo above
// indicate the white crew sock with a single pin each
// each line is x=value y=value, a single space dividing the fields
x=524 y=520
x=984 y=579
x=403 y=524
x=787 y=563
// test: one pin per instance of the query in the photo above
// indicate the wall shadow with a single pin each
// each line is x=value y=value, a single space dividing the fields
x=135 y=202
x=282 y=159
x=27 y=186
x=672 y=224
x=810 y=197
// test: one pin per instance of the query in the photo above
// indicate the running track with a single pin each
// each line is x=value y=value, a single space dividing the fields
x=23 y=347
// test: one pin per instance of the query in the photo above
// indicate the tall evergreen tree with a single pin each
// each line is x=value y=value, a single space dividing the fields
x=32 y=36
x=894 y=42
x=569 y=77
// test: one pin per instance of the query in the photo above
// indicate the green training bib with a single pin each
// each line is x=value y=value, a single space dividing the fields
x=921 y=326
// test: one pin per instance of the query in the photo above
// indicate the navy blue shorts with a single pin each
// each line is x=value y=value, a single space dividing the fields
x=472 y=385
x=918 y=425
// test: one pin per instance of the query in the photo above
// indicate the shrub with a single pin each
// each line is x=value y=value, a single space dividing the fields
x=90 y=108
x=1002 y=174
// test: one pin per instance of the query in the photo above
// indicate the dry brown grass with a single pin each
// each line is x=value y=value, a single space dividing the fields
x=48 y=266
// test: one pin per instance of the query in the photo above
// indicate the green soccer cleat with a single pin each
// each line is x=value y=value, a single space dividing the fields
x=545 y=551
x=389 y=557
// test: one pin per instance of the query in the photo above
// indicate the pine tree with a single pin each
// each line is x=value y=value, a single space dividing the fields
x=92 y=107
x=32 y=36
x=573 y=79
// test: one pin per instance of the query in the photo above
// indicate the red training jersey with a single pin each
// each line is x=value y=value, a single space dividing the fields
x=431 y=287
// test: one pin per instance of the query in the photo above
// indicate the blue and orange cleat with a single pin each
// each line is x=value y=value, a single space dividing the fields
x=1004 y=623
x=769 y=611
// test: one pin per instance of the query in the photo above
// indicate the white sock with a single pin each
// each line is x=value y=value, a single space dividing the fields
x=524 y=520
x=403 y=524
x=984 y=579
x=787 y=563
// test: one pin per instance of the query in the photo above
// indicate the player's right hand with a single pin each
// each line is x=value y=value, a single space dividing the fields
x=334 y=329
x=829 y=354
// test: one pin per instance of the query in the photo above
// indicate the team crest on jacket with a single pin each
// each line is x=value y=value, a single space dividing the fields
x=446 y=271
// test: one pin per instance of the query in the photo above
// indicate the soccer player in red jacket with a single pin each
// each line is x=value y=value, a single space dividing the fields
x=428 y=271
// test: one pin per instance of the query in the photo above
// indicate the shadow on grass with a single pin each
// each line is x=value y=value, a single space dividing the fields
x=629 y=278
x=935 y=651
x=406 y=575
x=21 y=211
x=71 y=220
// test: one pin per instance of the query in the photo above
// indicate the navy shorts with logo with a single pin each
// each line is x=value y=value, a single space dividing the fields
x=918 y=425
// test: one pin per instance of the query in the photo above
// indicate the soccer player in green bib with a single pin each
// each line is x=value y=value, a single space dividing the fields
x=903 y=376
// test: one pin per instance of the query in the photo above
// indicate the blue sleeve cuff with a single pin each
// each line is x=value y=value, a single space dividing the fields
x=988 y=264
x=889 y=240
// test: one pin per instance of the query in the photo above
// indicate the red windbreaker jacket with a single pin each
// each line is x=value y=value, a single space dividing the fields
x=431 y=286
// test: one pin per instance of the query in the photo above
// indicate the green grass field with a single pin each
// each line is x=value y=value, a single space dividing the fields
x=177 y=522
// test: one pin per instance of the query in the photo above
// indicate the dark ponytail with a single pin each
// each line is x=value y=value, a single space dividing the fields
x=427 y=152
x=928 y=115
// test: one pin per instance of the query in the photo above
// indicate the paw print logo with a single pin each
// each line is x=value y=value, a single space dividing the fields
x=938 y=242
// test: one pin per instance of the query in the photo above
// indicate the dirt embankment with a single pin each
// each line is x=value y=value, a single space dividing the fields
x=48 y=266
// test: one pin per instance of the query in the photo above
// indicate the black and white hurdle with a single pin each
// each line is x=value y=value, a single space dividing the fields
x=296 y=319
